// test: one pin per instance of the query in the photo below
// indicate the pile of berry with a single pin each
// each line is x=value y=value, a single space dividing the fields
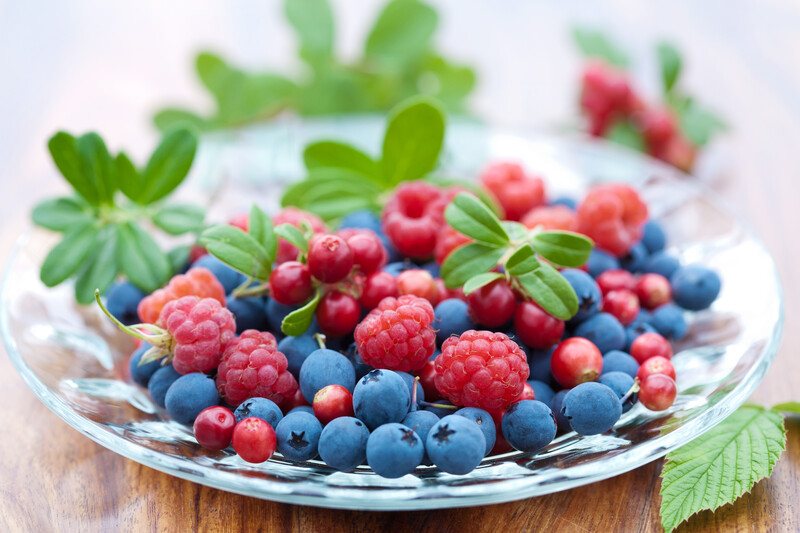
x=397 y=370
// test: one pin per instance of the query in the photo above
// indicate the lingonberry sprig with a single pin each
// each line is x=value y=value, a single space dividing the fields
x=101 y=220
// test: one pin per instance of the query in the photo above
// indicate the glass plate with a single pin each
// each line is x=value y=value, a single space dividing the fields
x=76 y=362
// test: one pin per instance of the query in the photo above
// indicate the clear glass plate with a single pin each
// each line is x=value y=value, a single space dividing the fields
x=76 y=362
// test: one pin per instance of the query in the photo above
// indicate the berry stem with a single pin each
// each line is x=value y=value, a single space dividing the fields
x=414 y=391
x=246 y=289
x=320 y=338
x=633 y=390
x=439 y=405
x=157 y=336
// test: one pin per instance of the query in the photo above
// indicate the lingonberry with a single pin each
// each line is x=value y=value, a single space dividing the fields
x=574 y=361
x=290 y=283
x=650 y=345
x=332 y=401
x=447 y=241
x=254 y=440
x=241 y=221
x=623 y=304
x=369 y=254
x=527 y=393
x=657 y=392
x=213 y=427
x=419 y=283
x=413 y=217
x=614 y=216
x=658 y=127
x=653 y=290
x=330 y=259
x=679 y=152
x=656 y=365
x=515 y=191
x=492 y=305
x=338 y=314
x=535 y=327
x=299 y=219
x=378 y=286
x=551 y=217
x=616 y=280
x=297 y=400
x=427 y=375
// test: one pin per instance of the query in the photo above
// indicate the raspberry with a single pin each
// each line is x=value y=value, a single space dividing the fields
x=515 y=191
x=551 y=217
x=412 y=218
x=253 y=367
x=397 y=335
x=606 y=94
x=679 y=152
x=614 y=216
x=481 y=369
x=198 y=282
x=658 y=126
x=447 y=241
x=296 y=217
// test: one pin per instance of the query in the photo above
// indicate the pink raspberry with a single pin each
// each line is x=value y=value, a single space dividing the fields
x=199 y=329
x=198 y=282
x=253 y=367
x=515 y=191
x=412 y=218
x=613 y=214
x=296 y=217
x=397 y=334
x=481 y=369
x=606 y=95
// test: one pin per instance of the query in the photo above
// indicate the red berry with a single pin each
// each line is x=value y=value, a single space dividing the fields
x=427 y=377
x=527 y=393
x=198 y=282
x=616 y=280
x=679 y=152
x=332 y=401
x=481 y=369
x=338 y=314
x=623 y=304
x=492 y=305
x=614 y=216
x=213 y=427
x=447 y=241
x=551 y=217
x=653 y=290
x=575 y=361
x=377 y=287
x=419 y=283
x=606 y=94
x=397 y=335
x=241 y=221
x=253 y=367
x=413 y=217
x=369 y=255
x=297 y=218
x=515 y=191
x=196 y=252
x=290 y=283
x=656 y=365
x=329 y=258
x=295 y=401
x=649 y=345
x=658 y=126
x=535 y=327
x=657 y=392
x=254 y=440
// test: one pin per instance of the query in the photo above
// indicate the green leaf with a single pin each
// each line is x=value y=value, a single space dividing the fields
x=332 y=193
x=626 y=134
x=413 y=140
x=67 y=257
x=334 y=154
x=214 y=73
x=171 y=118
x=516 y=232
x=477 y=190
x=293 y=235
x=522 y=261
x=61 y=214
x=697 y=124
x=140 y=258
x=101 y=268
x=238 y=250
x=128 y=177
x=671 y=64
x=447 y=82
x=593 y=43
x=721 y=465
x=468 y=261
x=168 y=166
x=787 y=407
x=313 y=22
x=401 y=34
x=298 y=321
x=476 y=282
x=63 y=149
x=98 y=166
x=468 y=215
x=178 y=219
x=563 y=248
x=260 y=228
x=548 y=288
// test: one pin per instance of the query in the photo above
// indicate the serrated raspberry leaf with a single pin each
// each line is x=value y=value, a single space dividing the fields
x=787 y=407
x=298 y=321
x=522 y=261
x=671 y=64
x=563 y=248
x=61 y=214
x=476 y=282
x=593 y=43
x=238 y=250
x=468 y=215
x=140 y=258
x=100 y=268
x=413 y=139
x=260 y=228
x=548 y=288
x=178 y=219
x=339 y=155
x=721 y=465
x=67 y=256
x=293 y=235
x=169 y=165
x=468 y=261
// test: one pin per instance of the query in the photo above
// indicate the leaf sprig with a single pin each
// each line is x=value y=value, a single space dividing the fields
x=100 y=222
x=398 y=61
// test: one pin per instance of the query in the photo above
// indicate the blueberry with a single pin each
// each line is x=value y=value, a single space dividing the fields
x=394 y=450
x=122 y=301
x=591 y=408
x=619 y=361
x=325 y=367
x=604 y=330
x=589 y=296
x=343 y=443
x=653 y=237
x=297 y=349
x=262 y=408
x=539 y=364
x=421 y=422
x=397 y=267
x=634 y=261
x=190 y=394
x=381 y=397
x=228 y=277
x=409 y=381
x=668 y=320
x=620 y=383
x=298 y=436
x=451 y=318
x=248 y=312
x=555 y=406
x=695 y=287
x=529 y=426
x=633 y=331
x=485 y=423
x=441 y=412
x=456 y=445
x=432 y=267
x=661 y=263
x=566 y=201
x=542 y=391
x=362 y=368
x=160 y=382
x=362 y=219
x=141 y=374
x=302 y=409
x=600 y=261
x=276 y=312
